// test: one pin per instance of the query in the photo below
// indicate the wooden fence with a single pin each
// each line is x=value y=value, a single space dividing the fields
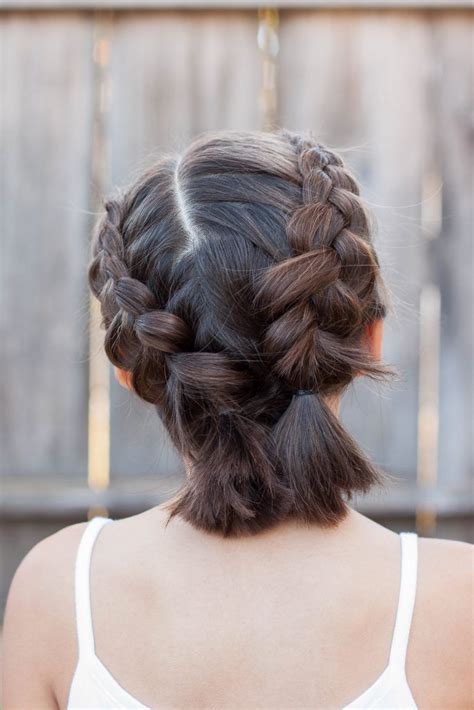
x=89 y=95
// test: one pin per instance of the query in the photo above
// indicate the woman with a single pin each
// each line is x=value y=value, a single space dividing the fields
x=241 y=294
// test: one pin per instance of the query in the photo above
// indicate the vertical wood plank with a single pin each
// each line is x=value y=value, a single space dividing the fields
x=173 y=75
x=453 y=101
x=45 y=134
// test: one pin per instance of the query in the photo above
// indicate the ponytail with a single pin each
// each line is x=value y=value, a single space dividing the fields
x=323 y=465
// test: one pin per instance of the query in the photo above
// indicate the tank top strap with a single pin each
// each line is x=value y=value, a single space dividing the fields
x=85 y=630
x=406 y=599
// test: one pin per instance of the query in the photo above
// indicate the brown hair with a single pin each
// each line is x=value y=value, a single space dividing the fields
x=229 y=277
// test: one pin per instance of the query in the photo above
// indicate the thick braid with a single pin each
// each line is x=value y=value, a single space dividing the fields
x=319 y=299
x=130 y=311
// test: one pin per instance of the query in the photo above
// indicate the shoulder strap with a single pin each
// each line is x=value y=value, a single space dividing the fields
x=406 y=599
x=85 y=630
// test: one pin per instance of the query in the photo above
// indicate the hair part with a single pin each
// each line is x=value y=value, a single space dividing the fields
x=228 y=277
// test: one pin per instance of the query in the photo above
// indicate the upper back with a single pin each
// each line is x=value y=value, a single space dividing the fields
x=295 y=617
x=191 y=618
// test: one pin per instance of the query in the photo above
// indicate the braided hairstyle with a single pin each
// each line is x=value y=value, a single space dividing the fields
x=229 y=277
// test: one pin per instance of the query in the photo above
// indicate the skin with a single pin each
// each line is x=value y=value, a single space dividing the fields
x=197 y=621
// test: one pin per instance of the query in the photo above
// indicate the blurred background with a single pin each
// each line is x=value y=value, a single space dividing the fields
x=91 y=92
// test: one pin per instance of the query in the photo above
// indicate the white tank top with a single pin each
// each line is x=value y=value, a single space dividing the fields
x=93 y=687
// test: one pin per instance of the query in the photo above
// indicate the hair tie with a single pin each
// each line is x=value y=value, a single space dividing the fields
x=300 y=393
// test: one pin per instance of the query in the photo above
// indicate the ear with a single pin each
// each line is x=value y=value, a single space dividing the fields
x=374 y=335
x=123 y=377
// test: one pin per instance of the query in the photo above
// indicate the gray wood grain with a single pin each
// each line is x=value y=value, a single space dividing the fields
x=172 y=75
x=453 y=104
x=45 y=147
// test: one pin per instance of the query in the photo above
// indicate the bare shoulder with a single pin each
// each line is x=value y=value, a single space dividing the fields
x=442 y=631
x=43 y=567
x=446 y=578
x=58 y=543
x=449 y=565
x=40 y=635
x=454 y=550
x=50 y=562
x=446 y=571
x=36 y=583
x=44 y=580
x=39 y=608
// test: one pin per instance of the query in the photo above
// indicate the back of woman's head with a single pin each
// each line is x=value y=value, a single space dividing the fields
x=229 y=278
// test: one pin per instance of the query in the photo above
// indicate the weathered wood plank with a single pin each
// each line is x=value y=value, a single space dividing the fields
x=345 y=77
x=45 y=146
x=452 y=102
x=172 y=76
x=165 y=91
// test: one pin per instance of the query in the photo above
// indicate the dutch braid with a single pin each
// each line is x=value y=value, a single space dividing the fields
x=228 y=278
x=334 y=275
x=135 y=325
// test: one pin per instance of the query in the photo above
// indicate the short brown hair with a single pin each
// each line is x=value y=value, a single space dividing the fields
x=229 y=277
